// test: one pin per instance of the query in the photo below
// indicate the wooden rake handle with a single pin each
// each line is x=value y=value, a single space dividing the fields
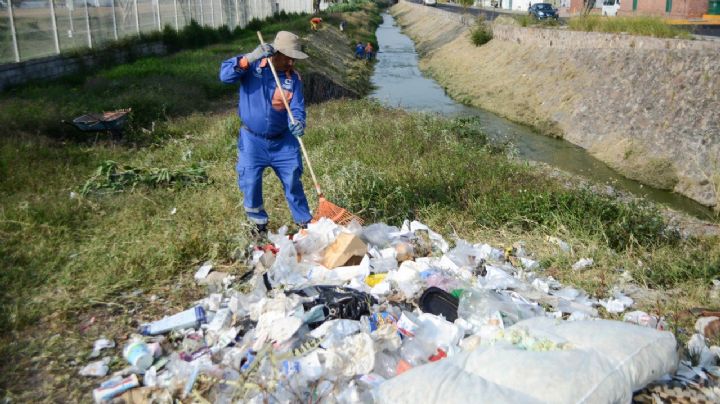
x=292 y=119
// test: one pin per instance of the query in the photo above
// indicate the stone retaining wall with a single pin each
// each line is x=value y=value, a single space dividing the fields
x=53 y=67
x=564 y=39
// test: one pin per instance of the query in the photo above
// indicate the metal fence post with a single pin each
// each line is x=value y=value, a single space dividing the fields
x=157 y=8
x=212 y=13
x=222 y=19
x=177 y=27
x=137 y=19
x=70 y=7
x=87 y=25
x=12 y=29
x=114 y=18
x=54 y=26
x=202 y=14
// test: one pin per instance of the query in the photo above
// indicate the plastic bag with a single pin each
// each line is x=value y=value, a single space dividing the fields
x=317 y=237
x=285 y=270
x=339 y=302
x=477 y=307
x=407 y=278
x=464 y=254
x=355 y=355
x=378 y=234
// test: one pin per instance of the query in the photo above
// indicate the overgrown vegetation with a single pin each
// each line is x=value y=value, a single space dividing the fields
x=348 y=6
x=635 y=25
x=481 y=33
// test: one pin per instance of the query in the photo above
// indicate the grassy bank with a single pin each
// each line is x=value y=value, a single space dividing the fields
x=75 y=262
x=635 y=25
x=106 y=256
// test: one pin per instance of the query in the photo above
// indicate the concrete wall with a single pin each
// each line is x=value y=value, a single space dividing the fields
x=12 y=74
x=53 y=67
x=681 y=9
x=563 y=39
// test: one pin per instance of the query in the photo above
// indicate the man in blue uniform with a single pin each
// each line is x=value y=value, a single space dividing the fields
x=267 y=136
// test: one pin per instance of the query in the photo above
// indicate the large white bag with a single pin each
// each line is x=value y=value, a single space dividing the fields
x=601 y=361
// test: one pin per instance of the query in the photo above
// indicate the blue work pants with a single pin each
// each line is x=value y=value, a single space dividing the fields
x=282 y=154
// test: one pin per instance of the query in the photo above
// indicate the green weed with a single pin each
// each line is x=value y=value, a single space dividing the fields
x=110 y=177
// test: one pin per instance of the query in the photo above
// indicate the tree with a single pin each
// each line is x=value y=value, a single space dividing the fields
x=465 y=3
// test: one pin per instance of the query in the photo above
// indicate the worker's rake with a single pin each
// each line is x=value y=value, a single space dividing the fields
x=325 y=208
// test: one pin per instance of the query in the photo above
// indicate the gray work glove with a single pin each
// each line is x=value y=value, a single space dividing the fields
x=297 y=129
x=262 y=51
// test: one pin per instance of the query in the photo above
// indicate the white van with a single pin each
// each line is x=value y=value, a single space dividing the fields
x=610 y=7
x=430 y=2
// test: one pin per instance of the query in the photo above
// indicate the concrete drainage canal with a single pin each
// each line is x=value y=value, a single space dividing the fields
x=399 y=83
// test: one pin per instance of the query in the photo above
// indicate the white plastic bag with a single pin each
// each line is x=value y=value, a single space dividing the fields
x=604 y=363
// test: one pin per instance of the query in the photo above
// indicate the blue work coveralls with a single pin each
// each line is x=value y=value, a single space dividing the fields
x=265 y=139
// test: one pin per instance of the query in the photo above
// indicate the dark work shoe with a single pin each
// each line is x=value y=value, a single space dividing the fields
x=259 y=232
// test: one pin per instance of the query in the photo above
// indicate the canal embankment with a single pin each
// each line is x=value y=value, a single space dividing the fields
x=647 y=107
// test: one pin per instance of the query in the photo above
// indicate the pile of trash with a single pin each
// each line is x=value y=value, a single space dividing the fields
x=386 y=314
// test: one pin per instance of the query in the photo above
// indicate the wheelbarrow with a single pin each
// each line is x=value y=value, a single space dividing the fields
x=112 y=121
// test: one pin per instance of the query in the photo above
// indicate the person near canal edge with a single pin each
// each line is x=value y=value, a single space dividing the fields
x=267 y=137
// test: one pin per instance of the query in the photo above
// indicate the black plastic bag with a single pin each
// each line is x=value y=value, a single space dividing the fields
x=338 y=302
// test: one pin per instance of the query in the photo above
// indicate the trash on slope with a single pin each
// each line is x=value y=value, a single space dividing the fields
x=339 y=313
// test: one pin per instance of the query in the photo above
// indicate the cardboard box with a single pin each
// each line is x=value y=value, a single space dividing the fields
x=347 y=249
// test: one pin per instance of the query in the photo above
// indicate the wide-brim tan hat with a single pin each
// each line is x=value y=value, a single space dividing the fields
x=288 y=44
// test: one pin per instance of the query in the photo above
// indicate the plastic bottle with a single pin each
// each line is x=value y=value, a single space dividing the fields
x=113 y=387
x=385 y=365
x=415 y=352
x=479 y=307
x=192 y=317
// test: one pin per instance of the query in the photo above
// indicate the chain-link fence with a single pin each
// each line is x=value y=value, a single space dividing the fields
x=35 y=28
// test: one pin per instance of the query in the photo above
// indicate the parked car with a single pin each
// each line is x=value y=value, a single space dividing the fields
x=543 y=11
x=610 y=7
x=430 y=2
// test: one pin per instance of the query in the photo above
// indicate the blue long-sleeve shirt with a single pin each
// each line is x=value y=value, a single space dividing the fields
x=260 y=104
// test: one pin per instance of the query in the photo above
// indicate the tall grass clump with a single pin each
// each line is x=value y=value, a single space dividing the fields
x=481 y=33
x=639 y=25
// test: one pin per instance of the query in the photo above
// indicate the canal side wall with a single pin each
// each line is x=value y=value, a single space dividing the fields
x=53 y=67
x=648 y=107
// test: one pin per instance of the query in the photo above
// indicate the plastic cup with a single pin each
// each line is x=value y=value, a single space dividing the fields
x=138 y=354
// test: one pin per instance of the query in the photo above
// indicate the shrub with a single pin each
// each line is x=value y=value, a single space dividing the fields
x=481 y=34
x=254 y=25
